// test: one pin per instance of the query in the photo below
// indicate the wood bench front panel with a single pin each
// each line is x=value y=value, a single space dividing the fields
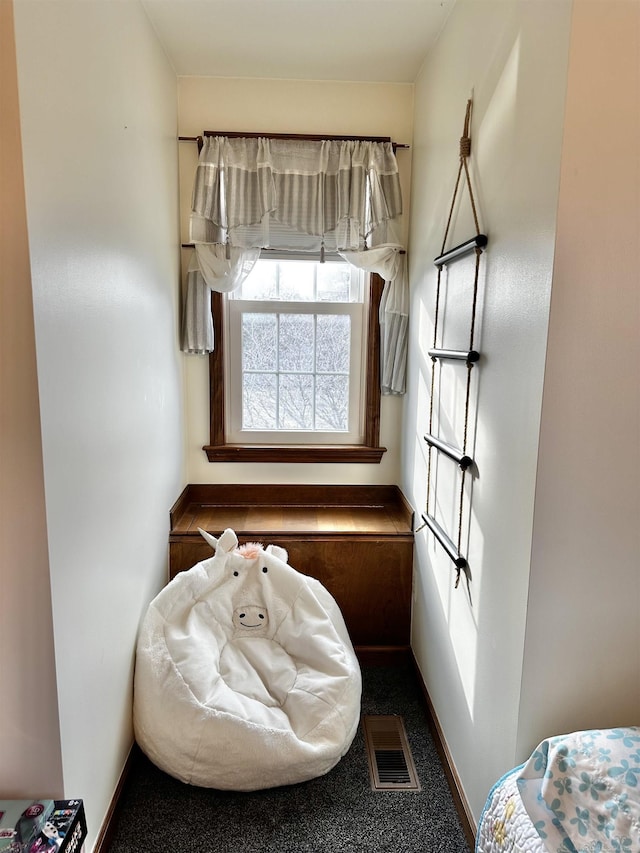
x=369 y=578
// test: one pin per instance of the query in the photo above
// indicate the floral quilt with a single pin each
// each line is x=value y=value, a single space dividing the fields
x=577 y=793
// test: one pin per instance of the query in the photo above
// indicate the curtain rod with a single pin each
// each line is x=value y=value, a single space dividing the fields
x=313 y=137
x=400 y=252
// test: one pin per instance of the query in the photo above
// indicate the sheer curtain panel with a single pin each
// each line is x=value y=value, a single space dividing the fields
x=212 y=267
x=390 y=263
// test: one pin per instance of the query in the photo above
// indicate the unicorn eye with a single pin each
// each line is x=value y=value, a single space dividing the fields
x=235 y=574
x=260 y=615
x=265 y=570
x=242 y=615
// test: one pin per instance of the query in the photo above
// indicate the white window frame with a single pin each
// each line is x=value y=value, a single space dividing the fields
x=235 y=307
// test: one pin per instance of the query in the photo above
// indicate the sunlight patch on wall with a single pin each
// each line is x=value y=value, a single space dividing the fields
x=420 y=454
x=444 y=493
x=497 y=133
x=448 y=423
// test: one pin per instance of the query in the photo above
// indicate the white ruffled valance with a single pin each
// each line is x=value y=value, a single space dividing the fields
x=295 y=194
x=304 y=196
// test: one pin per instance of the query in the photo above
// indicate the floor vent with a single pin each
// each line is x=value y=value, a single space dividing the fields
x=391 y=766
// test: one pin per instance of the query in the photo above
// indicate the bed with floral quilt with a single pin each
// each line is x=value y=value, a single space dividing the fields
x=577 y=793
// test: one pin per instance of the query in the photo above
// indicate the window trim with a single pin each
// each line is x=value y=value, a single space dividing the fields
x=370 y=451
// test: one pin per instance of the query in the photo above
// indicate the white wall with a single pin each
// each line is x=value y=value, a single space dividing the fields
x=469 y=642
x=29 y=733
x=286 y=106
x=98 y=108
x=582 y=652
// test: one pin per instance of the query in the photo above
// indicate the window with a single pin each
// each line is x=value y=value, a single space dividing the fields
x=295 y=372
x=294 y=358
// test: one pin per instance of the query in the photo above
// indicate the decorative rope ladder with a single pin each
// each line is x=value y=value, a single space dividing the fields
x=470 y=357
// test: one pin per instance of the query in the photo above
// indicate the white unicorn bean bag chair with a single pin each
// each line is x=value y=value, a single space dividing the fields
x=245 y=675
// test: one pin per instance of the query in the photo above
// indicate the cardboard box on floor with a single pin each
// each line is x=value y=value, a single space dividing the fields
x=42 y=826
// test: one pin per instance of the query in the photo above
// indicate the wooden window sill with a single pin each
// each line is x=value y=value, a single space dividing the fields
x=294 y=453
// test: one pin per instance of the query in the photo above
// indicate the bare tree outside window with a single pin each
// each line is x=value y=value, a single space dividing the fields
x=295 y=371
x=293 y=342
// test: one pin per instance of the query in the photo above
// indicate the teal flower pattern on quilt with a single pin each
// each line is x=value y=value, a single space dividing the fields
x=566 y=758
x=539 y=757
x=539 y=826
x=622 y=845
x=563 y=785
x=581 y=821
x=629 y=737
x=628 y=773
x=592 y=785
x=582 y=791
x=554 y=805
x=604 y=826
x=618 y=805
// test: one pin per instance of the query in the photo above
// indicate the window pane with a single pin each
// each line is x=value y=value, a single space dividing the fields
x=333 y=345
x=291 y=359
x=334 y=282
x=296 y=281
x=261 y=283
x=296 y=342
x=332 y=402
x=296 y=401
x=259 y=341
x=259 y=401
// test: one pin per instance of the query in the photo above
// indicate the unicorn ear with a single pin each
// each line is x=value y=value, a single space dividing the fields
x=228 y=541
x=278 y=552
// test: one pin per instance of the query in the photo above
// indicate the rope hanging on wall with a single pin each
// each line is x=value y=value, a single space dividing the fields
x=470 y=356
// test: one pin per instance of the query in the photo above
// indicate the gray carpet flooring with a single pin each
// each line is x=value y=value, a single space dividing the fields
x=336 y=813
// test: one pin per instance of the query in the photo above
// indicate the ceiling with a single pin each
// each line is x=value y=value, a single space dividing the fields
x=356 y=40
